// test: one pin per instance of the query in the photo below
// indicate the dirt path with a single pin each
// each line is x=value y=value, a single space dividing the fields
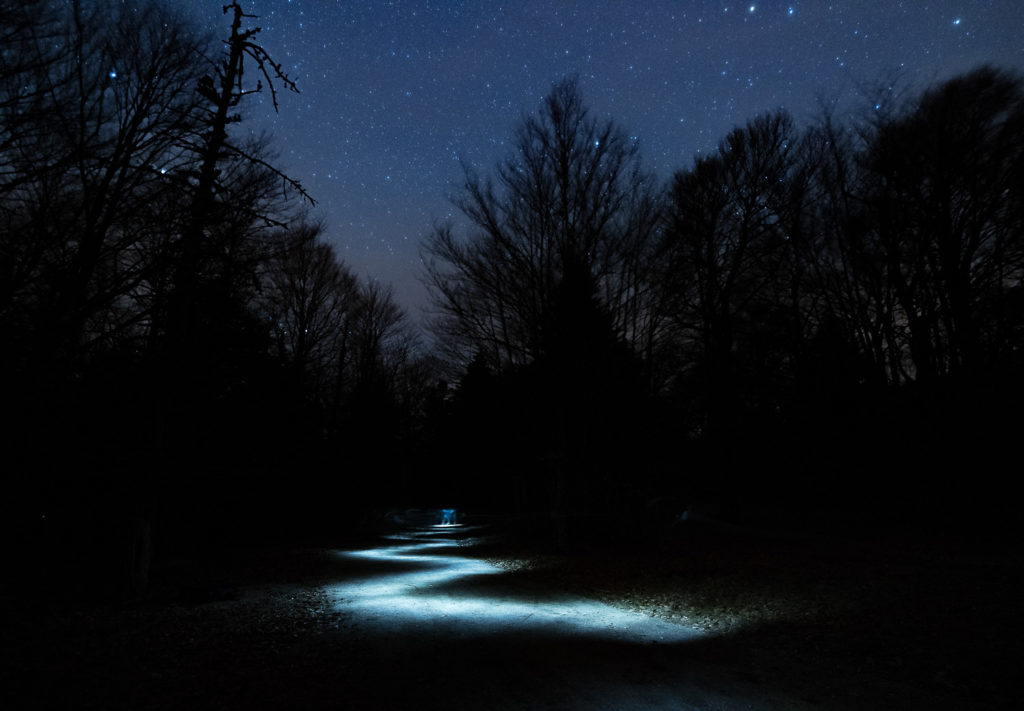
x=421 y=619
x=459 y=635
x=429 y=584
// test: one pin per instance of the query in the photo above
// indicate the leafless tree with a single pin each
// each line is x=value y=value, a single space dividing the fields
x=944 y=202
x=310 y=297
x=729 y=248
x=88 y=177
x=382 y=339
x=573 y=191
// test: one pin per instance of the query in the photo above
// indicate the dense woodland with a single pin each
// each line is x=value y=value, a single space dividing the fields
x=809 y=318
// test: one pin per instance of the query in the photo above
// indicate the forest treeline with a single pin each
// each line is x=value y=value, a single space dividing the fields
x=181 y=344
x=816 y=319
x=823 y=317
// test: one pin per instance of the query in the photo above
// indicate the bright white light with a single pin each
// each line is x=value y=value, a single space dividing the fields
x=431 y=587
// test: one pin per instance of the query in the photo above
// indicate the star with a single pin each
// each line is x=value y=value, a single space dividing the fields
x=375 y=77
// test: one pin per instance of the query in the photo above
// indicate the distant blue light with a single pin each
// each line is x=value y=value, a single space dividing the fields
x=113 y=74
x=447 y=517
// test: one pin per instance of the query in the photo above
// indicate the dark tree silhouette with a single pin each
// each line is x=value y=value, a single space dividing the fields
x=552 y=290
x=573 y=190
x=91 y=172
x=944 y=200
x=381 y=380
x=730 y=262
x=917 y=230
x=211 y=195
x=856 y=303
x=131 y=232
x=30 y=32
x=310 y=297
x=354 y=379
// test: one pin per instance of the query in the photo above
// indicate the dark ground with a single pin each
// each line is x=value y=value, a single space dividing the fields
x=824 y=621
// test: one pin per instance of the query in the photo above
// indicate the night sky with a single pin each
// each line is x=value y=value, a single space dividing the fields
x=396 y=94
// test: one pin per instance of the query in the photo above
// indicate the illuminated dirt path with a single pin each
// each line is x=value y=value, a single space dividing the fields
x=430 y=626
x=435 y=584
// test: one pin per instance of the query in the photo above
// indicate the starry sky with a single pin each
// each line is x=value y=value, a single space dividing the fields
x=395 y=95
